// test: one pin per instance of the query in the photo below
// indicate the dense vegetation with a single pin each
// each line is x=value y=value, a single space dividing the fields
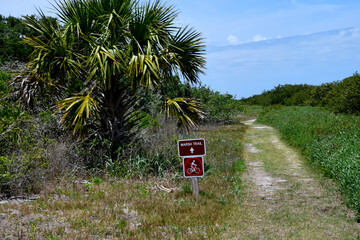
x=11 y=46
x=339 y=96
x=330 y=141
x=156 y=103
x=12 y=33
x=287 y=95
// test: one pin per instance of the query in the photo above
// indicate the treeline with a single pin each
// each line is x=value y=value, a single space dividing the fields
x=288 y=95
x=338 y=96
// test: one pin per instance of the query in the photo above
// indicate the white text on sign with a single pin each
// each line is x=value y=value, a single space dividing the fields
x=191 y=147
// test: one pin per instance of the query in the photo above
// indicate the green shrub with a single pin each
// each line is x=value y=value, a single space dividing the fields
x=4 y=85
x=346 y=95
x=289 y=95
x=220 y=108
x=32 y=149
x=338 y=96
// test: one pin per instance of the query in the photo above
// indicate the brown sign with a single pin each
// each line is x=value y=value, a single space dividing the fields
x=191 y=147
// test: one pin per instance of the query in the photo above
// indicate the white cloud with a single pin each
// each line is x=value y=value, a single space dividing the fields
x=350 y=33
x=232 y=40
x=258 y=38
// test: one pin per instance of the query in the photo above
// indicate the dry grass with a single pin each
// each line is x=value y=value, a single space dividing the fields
x=137 y=209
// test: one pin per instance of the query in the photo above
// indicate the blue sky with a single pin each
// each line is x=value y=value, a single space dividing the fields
x=254 y=45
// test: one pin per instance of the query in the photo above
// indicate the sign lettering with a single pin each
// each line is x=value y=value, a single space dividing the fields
x=191 y=147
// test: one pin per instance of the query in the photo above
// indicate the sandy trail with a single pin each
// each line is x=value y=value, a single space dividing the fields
x=283 y=196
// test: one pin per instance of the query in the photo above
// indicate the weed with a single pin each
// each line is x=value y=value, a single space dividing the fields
x=224 y=227
x=53 y=237
x=186 y=188
x=79 y=223
x=96 y=181
x=222 y=200
x=121 y=224
x=181 y=201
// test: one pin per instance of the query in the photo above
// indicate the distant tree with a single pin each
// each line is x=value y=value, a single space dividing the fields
x=346 y=95
x=220 y=108
x=298 y=94
x=324 y=95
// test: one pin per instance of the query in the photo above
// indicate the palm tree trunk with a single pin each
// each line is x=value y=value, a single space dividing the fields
x=119 y=116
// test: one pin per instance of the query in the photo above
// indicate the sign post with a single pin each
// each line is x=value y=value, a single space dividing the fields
x=192 y=152
x=195 y=186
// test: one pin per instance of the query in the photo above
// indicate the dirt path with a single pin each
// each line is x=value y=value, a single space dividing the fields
x=284 y=198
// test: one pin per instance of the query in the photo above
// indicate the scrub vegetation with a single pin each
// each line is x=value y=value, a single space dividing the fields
x=92 y=104
x=338 y=96
x=138 y=207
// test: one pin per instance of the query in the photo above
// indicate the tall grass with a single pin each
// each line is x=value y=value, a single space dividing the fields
x=330 y=141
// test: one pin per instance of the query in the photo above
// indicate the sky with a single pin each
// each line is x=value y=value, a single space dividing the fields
x=255 y=45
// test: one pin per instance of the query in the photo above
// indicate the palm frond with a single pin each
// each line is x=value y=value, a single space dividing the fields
x=144 y=69
x=53 y=58
x=186 y=51
x=77 y=111
x=188 y=112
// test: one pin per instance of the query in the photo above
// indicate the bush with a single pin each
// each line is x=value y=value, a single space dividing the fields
x=34 y=153
x=33 y=149
x=289 y=95
x=346 y=95
x=220 y=108
x=338 y=96
x=5 y=176
x=12 y=30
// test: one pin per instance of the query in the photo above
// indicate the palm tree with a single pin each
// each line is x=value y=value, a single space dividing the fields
x=108 y=54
